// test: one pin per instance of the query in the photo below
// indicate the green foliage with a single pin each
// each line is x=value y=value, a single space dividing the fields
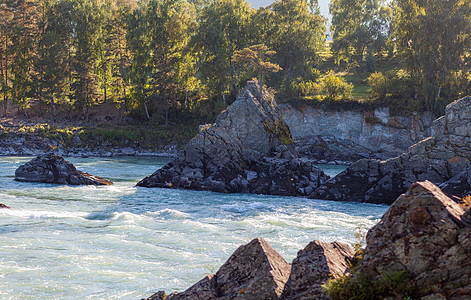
x=336 y=88
x=358 y=27
x=379 y=84
x=305 y=88
x=433 y=39
x=281 y=130
x=360 y=286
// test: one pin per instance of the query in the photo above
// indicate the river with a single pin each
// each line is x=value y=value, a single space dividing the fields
x=124 y=242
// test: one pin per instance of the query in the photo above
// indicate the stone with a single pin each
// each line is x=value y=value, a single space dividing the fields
x=426 y=235
x=313 y=267
x=348 y=135
x=441 y=159
x=247 y=150
x=50 y=168
x=254 y=271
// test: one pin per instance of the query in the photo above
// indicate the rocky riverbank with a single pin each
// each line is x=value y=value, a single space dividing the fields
x=444 y=159
x=419 y=250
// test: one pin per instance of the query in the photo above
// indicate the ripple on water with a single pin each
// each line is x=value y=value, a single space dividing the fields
x=123 y=242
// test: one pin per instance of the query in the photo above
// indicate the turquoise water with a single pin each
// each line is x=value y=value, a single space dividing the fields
x=123 y=242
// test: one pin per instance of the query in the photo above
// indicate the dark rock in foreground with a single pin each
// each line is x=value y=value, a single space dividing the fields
x=257 y=271
x=247 y=150
x=444 y=159
x=427 y=236
x=313 y=266
x=3 y=206
x=50 y=168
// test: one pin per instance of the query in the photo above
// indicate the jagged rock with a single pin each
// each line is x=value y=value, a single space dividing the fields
x=254 y=271
x=313 y=266
x=50 y=168
x=442 y=159
x=427 y=236
x=247 y=150
x=3 y=206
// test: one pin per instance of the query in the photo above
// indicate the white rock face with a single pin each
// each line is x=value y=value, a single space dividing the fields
x=351 y=135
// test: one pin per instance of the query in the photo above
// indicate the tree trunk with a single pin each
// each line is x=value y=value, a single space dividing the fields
x=147 y=111
x=52 y=109
x=166 y=114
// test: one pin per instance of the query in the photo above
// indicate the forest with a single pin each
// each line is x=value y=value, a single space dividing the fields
x=180 y=62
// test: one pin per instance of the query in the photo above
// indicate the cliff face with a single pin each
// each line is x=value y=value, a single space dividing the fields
x=351 y=135
x=248 y=149
x=444 y=159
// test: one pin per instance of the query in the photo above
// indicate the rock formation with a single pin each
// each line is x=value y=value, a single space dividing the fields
x=350 y=135
x=426 y=236
x=257 y=271
x=50 y=168
x=313 y=266
x=247 y=150
x=444 y=159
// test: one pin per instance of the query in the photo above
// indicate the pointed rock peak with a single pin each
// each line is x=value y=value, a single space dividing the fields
x=313 y=266
x=426 y=202
x=253 y=270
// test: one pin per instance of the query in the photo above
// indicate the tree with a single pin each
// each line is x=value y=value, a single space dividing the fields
x=357 y=26
x=297 y=35
x=24 y=31
x=256 y=57
x=51 y=68
x=158 y=34
x=86 y=17
x=433 y=37
x=223 y=29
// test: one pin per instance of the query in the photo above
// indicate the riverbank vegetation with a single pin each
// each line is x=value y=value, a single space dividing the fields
x=173 y=63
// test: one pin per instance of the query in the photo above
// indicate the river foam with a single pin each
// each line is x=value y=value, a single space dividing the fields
x=123 y=242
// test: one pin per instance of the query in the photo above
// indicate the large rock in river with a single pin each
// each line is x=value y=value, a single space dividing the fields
x=444 y=159
x=50 y=168
x=426 y=237
x=247 y=150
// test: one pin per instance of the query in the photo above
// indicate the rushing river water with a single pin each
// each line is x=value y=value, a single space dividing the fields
x=123 y=242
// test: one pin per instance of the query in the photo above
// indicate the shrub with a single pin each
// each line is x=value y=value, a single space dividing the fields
x=379 y=84
x=306 y=88
x=336 y=88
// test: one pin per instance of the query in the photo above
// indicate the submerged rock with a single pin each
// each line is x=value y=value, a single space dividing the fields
x=3 y=206
x=426 y=236
x=50 y=168
x=443 y=159
x=247 y=150
x=257 y=271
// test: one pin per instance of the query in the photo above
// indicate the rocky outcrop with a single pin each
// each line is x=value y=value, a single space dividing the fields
x=444 y=159
x=350 y=135
x=427 y=237
x=254 y=271
x=50 y=168
x=247 y=150
x=313 y=266
x=257 y=271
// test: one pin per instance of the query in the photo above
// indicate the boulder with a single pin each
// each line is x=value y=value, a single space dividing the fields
x=313 y=266
x=247 y=150
x=441 y=159
x=50 y=168
x=3 y=206
x=254 y=271
x=427 y=236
